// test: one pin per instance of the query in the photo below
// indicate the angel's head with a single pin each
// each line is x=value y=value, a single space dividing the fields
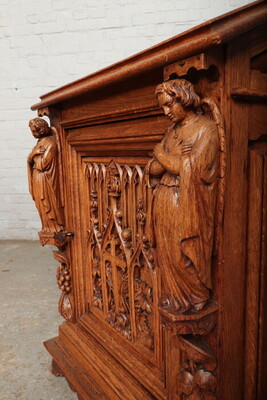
x=39 y=127
x=177 y=97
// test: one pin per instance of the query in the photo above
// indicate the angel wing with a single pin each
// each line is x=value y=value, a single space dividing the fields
x=60 y=164
x=216 y=116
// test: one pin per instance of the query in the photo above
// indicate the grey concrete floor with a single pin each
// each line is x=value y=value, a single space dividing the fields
x=28 y=316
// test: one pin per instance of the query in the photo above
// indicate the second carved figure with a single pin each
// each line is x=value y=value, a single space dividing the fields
x=186 y=165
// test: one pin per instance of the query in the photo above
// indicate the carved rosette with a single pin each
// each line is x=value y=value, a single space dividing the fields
x=122 y=261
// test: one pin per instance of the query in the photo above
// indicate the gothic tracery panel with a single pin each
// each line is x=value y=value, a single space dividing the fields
x=123 y=279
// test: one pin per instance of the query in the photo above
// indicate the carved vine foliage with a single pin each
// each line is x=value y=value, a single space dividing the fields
x=121 y=258
x=197 y=379
x=65 y=306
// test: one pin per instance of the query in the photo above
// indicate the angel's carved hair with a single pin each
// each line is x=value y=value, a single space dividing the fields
x=182 y=91
x=41 y=126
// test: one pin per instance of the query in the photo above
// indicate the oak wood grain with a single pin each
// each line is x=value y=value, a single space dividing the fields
x=161 y=226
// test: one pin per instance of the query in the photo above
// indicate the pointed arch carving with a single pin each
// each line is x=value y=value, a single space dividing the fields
x=123 y=278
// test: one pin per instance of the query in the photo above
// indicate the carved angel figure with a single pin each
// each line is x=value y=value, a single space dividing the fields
x=185 y=163
x=43 y=176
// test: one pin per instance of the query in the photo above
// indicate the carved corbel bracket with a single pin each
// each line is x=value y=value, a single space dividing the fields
x=51 y=113
x=195 y=372
x=199 y=62
x=191 y=322
x=44 y=112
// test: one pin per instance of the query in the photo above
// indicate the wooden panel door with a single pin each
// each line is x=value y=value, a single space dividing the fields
x=116 y=280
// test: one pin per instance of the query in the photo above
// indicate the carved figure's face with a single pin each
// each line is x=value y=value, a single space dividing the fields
x=36 y=132
x=172 y=109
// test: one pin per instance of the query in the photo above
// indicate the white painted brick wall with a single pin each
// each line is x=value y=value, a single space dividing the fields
x=45 y=44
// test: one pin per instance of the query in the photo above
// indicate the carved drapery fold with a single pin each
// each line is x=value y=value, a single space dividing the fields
x=189 y=164
x=43 y=172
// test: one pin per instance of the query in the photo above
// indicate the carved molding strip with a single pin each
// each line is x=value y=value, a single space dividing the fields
x=199 y=62
x=126 y=113
x=249 y=95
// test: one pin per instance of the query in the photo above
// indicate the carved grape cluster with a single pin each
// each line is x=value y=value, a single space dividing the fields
x=64 y=278
x=198 y=385
x=197 y=379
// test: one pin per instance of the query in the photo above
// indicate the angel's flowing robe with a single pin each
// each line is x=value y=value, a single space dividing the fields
x=44 y=185
x=183 y=214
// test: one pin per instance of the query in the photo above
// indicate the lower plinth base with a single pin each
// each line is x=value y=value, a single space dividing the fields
x=89 y=370
x=55 y=369
x=61 y=366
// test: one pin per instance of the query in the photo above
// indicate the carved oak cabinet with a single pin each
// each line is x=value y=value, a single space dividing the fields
x=151 y=183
